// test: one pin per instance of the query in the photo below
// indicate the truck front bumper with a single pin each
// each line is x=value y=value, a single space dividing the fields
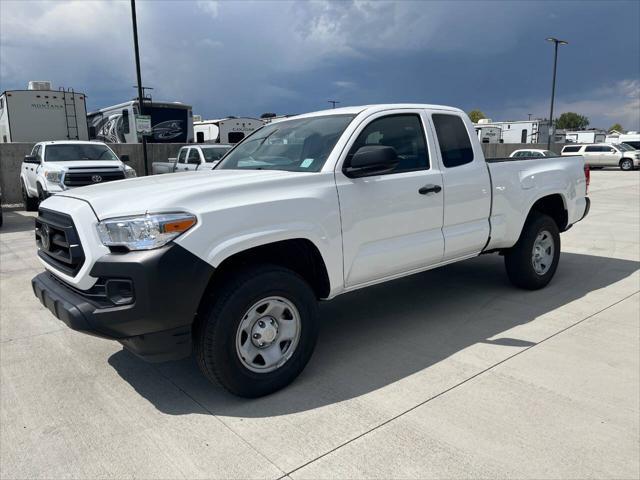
x=146 y=300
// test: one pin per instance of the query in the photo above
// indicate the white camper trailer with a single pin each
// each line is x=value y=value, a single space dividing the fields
x=40 y=114
x=630 y=138
x=171 y=122
x=226 y=130
x=586 y=136
x=488 y=134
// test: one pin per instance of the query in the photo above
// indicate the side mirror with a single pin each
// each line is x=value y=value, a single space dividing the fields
x=125 y=158
x=613 y=150
x=31 y=159
x=372 y=160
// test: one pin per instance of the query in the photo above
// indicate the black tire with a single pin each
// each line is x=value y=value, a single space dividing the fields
x=30 y=204
x=519 y=259
x=216 y=330
x=626 y=164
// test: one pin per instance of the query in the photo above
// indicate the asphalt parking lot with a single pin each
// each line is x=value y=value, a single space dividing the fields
x=449 y=373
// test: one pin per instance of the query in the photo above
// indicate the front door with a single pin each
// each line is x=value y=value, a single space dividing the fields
x=391 y=224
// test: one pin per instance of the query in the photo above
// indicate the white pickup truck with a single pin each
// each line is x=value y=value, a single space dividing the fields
x=56 y=166
x=192 y=157
x=231 y=262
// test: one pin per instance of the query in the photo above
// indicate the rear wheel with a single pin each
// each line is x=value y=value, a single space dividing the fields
x=626 y=164
x=30 y=204
x=533 y=261
x=258 y=331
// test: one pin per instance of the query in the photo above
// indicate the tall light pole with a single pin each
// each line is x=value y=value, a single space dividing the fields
x=556 y=42
x=134 y=21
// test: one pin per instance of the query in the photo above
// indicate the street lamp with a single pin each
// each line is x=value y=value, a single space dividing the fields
x=556 y=42
x=134 y=23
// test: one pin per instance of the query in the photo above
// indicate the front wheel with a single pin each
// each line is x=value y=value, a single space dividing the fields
x=626 y=164
x=532 y=262
x=30 y=204
x=259 y=331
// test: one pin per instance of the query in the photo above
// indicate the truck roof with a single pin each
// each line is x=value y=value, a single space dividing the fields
x=67 y=142
x=370 y=109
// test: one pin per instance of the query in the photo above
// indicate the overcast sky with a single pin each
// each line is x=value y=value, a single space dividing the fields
x=245 y=58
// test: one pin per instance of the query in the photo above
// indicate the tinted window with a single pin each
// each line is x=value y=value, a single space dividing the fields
x=402 y=132
x=593 y=149
x=78 y=151
x=194 y=156
x=633 y=144
x=570 y=149
x=200 y=137
x=182 y=155
x=213 y=154
x=235 y=137
x=453 y=139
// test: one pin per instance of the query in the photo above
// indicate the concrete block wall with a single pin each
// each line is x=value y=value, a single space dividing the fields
x=11 y=155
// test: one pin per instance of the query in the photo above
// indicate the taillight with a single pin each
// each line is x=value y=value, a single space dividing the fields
x=587 y=176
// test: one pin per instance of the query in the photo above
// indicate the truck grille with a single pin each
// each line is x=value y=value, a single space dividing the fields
x=79 y=177
x=58 y=242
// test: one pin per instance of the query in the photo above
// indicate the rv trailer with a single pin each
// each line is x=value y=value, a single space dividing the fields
x=171 y=122
x=40 y=114
x=226 y=130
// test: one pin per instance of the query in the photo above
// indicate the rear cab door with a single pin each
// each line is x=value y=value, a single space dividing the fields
x=593 y=155
x=467 y=185
x=181 y=162
x=31 y=170
x=194 y=159
x=391 y=225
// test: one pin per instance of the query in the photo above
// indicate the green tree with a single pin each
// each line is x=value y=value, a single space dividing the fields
x=616 y=126
x=476 y=115
x=572 y=121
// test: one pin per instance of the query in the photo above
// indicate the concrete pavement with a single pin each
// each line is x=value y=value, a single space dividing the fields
x=449 y=373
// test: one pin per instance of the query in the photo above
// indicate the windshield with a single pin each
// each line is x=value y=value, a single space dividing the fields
x=624 y=147
x=301 y=145
x=78 y=151
x=214 y=153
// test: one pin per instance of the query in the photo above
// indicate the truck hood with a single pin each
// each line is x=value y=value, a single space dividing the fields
x=177 y=191
x=82 y=164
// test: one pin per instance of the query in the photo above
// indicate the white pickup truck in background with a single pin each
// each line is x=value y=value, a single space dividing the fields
x=231 y=262
x=192 y=157
x=56 y=166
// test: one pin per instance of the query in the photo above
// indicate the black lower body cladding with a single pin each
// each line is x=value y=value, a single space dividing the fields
x=166 y=286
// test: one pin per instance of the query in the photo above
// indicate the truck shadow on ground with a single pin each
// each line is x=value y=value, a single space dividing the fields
x=375 y=337
x=15 y=219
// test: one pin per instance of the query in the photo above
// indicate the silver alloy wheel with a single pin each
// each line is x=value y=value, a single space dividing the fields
x=542 y=254
x=268 y=334
x=626 y=164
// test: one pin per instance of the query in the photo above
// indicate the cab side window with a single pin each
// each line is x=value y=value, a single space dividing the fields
x=182 y=155
x=37 y=152
x=193 y=157
x=453 y=139
x=402 y=132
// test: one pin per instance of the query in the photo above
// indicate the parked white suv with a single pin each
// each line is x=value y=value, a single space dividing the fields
x=599 y=155
x=57 y=166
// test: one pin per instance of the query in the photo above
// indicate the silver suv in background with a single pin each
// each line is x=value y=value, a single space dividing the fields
x=599 y=155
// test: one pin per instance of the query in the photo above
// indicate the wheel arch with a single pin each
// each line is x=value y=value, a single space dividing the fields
x=553 y=205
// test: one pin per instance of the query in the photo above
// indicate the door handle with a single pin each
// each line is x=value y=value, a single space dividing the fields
x=430 y=189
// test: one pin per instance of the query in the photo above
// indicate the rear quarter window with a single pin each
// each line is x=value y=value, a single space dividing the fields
x=453 y=139
x=570 y=149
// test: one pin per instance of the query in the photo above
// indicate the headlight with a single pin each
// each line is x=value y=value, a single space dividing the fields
x=144 y=232
x=129 y=173
x=53 y=177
